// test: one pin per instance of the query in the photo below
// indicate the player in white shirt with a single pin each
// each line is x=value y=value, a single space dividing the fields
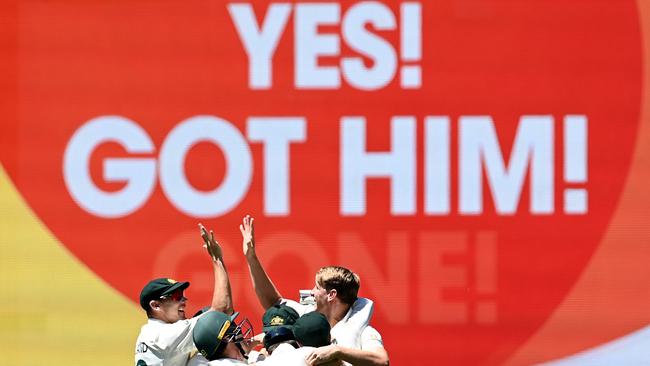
x=335 y=293
x=166 y=339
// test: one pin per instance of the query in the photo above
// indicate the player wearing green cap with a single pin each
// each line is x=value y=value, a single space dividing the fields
x=308 y=332
x=166 y=338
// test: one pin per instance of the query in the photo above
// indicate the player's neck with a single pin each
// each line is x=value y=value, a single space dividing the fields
x=337 y=312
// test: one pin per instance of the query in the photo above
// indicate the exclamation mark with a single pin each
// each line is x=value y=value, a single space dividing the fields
x=411 y=44
x=575 y=164
x=486 y=277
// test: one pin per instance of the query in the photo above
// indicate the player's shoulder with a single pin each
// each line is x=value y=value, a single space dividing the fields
x=149 y=332
x=165 y=336
x=370 y=333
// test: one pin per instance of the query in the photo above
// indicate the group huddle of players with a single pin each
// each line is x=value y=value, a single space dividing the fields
x=330 y=327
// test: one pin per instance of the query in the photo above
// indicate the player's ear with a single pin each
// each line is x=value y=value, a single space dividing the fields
x=331 y=295
x=154 y=304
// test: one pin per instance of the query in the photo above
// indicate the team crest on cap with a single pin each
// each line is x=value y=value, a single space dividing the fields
x=171 y=281
x=276 y=320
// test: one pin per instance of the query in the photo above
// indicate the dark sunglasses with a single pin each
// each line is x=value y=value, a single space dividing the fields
x=176 y=296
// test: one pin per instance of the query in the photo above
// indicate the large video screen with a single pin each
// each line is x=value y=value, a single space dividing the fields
x=482 y=165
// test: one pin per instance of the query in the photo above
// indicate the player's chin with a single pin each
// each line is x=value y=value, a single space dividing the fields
x=181 y=315
x=320 y=307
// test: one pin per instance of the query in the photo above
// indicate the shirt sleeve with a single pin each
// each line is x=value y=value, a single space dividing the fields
x=371 y=339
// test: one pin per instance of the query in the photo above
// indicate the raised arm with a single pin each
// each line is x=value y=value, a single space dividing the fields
x=265 y=290
x=221 y=295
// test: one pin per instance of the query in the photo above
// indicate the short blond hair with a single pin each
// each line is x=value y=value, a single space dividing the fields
x=345 y=282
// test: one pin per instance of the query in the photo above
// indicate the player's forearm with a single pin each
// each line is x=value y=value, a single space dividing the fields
x=265 y=290
x=222 y=295
x=357 y=357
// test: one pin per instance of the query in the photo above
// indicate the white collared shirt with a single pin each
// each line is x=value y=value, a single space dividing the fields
x=165 y=344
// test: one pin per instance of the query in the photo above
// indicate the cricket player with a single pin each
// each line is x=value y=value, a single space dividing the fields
x=166 y=339
x=220 y=340
x=309 y=331
x=335 y=293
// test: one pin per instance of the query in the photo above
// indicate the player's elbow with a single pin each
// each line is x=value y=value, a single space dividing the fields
x=382 y=359
x=379 y=358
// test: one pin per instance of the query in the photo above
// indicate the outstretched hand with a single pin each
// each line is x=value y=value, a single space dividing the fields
x=248 y=235
x=213 y=247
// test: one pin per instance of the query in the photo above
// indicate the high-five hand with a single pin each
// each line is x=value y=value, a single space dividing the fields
x=213 y=247
x=248 y=235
